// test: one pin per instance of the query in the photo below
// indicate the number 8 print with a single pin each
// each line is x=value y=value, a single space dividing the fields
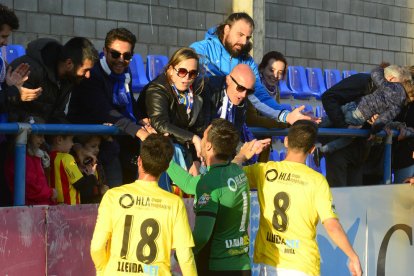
x=280 y=218
x=147 y=239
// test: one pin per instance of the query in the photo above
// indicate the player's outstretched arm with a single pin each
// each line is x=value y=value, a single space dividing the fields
x=338 y=236
x=182 y=178
x=249 y=149
x=185 y=258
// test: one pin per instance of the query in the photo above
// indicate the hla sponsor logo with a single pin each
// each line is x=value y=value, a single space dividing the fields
x=127 y=201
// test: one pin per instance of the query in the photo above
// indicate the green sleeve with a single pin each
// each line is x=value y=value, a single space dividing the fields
x=182 y=178
x=203 y=229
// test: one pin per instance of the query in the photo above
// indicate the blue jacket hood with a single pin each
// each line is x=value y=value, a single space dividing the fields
x=211 y=33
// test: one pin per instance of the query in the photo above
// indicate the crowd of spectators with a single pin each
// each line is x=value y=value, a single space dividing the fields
x=214 y=78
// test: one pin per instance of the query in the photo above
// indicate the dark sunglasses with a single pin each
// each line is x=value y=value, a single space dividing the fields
x=115 y=54
x=182 y=72
x=241 y=88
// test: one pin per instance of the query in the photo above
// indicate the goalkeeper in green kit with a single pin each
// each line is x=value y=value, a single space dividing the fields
x=222 y=204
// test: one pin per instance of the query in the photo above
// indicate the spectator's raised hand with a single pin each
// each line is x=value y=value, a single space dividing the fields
x=197 y=144
x=17 y=76
x=90 y=168
x=249 y=149
x=410 y=180
x=373 y=119
x=297 y=114
x=150 y=129
x=142 y=134
x=27 y=94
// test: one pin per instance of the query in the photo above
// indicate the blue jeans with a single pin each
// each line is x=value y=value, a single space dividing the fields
x=404 y=173
x=352 y=117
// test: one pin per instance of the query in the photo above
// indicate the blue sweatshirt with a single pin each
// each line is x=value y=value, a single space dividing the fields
x=217 y=61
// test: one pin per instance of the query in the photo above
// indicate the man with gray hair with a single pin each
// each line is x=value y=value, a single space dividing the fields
x=394 y=89
x=344 y=166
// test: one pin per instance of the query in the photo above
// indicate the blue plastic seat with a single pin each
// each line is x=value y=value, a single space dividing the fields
x=320 y=112
x=285 y=92
x=315 y=81
x=274 y=156
x=298 y=82
x=347 y=73
x=308 y=108
x=14 y=51
x=155 y=65
x=138 y=76
x=332 y=77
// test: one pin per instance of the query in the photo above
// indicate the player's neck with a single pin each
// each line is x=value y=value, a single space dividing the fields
x=212 y=160
x=147 y=177
x=296 y=157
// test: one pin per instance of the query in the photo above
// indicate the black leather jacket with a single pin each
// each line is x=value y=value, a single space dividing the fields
x=160 y=103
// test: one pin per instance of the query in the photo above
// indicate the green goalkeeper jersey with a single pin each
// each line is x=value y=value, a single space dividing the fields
x=222 y=208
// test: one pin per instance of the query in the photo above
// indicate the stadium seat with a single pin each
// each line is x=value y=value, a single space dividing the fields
x=347 y=73
x=315 y=81
x=12 y=52
x=274 y=155
x=320 y=112
x=285 y=92
x=308 y=108
x=332 y=77
x=298 y=83
x=155 y=65
x=138 y=76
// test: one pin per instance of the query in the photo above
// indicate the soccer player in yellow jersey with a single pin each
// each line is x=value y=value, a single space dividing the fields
x=292 y=199
x=139 y=223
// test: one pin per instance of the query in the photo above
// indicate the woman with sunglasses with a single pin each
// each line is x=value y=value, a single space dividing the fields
x=173 y=104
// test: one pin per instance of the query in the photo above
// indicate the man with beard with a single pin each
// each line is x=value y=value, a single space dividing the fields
x=221 y=206
x=229 y=44
x=105 y=98
x=55 y=69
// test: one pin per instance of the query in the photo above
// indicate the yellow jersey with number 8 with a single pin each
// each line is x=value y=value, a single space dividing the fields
x=292 y=199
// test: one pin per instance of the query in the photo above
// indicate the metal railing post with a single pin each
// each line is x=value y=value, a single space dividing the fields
x=387 y=159
x=20 y=164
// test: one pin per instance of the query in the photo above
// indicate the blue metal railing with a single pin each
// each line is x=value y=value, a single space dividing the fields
x=23 y=130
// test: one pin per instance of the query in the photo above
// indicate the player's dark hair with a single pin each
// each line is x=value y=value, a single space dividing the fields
x=156 y=153
x=79 y=49
x=224 y=138
x=302 y=135
x=120 y=34
x=8 y=17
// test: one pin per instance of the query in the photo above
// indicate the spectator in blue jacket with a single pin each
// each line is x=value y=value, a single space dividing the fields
x=229 y=44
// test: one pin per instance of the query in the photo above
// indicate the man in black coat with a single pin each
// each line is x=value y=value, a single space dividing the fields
x=105 y=98
x=225 y=97
x=55 y=69
x=344 y=167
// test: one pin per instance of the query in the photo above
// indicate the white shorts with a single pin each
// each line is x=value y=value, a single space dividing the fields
x=268 y=270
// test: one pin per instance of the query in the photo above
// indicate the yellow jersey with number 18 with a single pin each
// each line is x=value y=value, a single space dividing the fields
x=137 y=226
x=292 y=198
